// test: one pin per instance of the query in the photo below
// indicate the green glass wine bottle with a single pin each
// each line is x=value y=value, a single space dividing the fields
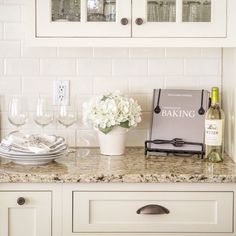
x=214 y=129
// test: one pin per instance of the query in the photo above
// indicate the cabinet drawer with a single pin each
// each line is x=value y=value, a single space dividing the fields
x=197 y=212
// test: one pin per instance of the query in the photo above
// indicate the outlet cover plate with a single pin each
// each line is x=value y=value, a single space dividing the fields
x=61 y=92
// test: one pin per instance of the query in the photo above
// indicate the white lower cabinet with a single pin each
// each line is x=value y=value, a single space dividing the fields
x=150 y=212
x=25 y=213
x=117 y=209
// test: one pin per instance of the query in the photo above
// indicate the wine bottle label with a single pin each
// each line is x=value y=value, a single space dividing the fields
x=213 y=132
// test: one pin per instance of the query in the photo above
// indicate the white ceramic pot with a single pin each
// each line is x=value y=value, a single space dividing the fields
x=113 y=143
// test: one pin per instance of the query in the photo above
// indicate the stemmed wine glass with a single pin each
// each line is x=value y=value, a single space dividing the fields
x=44 y=112
x=17 y=114
x=67 y=116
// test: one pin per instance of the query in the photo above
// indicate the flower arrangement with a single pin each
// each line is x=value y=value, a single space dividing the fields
x=110 y=110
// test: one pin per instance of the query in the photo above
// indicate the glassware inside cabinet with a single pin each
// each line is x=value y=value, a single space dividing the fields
x=101 y=10
x=161 y=10
x=65 y=10
x=197 y=11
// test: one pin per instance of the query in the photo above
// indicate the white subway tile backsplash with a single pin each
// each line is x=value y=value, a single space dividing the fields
x=141 y=99
x=80 y=85
x=75 y=52
x=39 y=52
x=111 y=52
x=183 y=52
x=209 y=82
x=103 y=85
x=10 y=85
x=94 y=67
x=181 y=82
x=211 y=52
x=10 y=13
x=1 y=66
x=146 y=118
x=58 y=67
x=13 y=31
x=166 y=66
x=129 y=67
x=136 y=137
x=30 y=71
x=22 y=66
x=146 y=85
x=86 y=138
x=10 y=49
x=147 y=52
x=1 y=30
x=35 y=86
x=15 y=2
x=81 y=99
x=202 y=66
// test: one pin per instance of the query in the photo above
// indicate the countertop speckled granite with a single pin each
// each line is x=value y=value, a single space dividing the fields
x=88 y=166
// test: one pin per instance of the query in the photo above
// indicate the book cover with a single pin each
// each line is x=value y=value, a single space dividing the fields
x=179 y=114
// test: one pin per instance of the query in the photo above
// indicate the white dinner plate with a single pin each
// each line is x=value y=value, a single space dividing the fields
x=31 y=161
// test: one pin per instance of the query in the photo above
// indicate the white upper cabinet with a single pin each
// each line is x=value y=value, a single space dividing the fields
x=83 y=18
x=179 y=18
x=131 y=23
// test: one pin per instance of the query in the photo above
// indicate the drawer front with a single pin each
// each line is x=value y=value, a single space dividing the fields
x=197 y=212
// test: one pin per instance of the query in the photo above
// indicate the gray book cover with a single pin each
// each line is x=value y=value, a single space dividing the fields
x=177 y=116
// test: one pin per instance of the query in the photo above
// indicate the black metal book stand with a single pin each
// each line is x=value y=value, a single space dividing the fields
x=176 y=142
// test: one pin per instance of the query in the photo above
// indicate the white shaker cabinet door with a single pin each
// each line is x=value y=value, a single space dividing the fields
x=179 y=18
x=25 y=213
x=83 y=18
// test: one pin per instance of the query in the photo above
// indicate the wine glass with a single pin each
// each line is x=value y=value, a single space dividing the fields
x=17 y=114
x=67 y=116
x=44 y=112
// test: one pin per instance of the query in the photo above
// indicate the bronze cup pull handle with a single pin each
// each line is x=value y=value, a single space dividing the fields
x=21 y=201
x=153 y=210
x=124 y=21
x=139 y=21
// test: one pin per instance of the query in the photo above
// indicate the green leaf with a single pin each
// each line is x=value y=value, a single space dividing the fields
x=106 y=130
x=125 y=124
x=104 y=98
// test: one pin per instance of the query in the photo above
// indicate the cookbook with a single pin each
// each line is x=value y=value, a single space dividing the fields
x=178 y=120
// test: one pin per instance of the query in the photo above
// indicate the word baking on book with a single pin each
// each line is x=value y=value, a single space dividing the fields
x=177 y=112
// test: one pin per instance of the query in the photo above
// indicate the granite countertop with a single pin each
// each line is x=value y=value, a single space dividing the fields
x=88 y=166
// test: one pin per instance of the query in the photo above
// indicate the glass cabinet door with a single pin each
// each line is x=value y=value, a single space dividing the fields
x=179 y=18
x=62 y=10
x=161 y=11
x=83 y=18
x=196 y=11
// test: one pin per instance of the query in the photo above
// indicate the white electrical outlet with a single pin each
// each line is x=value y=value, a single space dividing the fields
x=61 y=92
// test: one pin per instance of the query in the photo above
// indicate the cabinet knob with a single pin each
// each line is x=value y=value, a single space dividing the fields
x=153 y=210
x=124 y=21
x=139 y=21
x=20 y=201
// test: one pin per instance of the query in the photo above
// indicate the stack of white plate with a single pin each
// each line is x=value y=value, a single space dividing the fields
x=32 y=149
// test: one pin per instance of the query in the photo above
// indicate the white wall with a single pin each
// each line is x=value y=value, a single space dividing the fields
x=136 y=72
x=229 y=99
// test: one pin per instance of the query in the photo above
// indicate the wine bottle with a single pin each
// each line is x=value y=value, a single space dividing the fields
x=214 y=129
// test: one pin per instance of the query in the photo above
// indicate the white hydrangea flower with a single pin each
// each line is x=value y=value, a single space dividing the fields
x=110 y=110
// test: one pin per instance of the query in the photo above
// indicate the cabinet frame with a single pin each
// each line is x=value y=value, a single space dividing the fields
x=56 y=200
x=216 y=28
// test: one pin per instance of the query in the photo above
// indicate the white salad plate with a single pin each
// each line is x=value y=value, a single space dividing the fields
x=27 y=154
